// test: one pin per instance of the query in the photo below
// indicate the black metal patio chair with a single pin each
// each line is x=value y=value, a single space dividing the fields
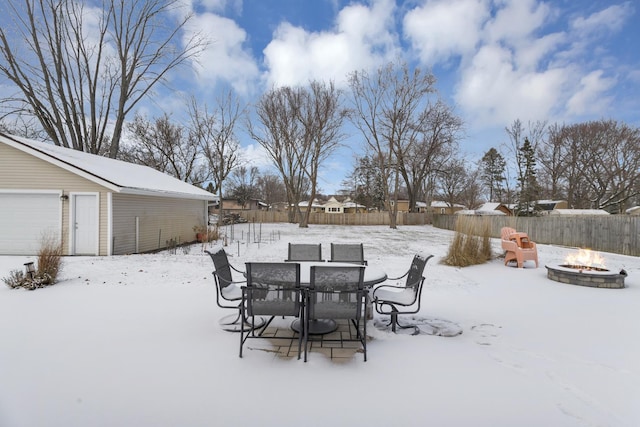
x=348 y=252
x=393 y=300
x=228 y=291
x=272 y=289
x=304 y=252
x=337 y=292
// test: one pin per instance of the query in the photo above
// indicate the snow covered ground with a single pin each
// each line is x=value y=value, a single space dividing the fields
x=134 y=341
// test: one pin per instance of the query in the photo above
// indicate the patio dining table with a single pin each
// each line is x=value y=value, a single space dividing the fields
x=372 y=276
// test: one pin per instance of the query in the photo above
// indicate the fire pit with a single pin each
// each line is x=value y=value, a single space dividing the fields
x=586 y=269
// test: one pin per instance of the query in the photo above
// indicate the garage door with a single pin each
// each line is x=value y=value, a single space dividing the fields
x=25 y=218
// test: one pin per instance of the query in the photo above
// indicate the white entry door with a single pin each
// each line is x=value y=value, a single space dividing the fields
x=84 y=224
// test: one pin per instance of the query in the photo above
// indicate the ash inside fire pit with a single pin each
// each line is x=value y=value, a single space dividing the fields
x=595 y=277
x=583 y=267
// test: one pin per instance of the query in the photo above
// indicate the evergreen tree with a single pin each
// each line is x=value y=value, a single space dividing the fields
x=492 y=173
x=529 y=188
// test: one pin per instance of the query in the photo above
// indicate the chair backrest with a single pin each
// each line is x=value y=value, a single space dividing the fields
x=273 y=289
x=222 y=272
x=348 y=252
x=415 y=274
x=304 y=252
x=505 y=232
x=336 y=292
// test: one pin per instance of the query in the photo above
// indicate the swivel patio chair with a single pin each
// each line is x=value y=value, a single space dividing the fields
x=337 y=292
x=518 y=247
x=348 y=252
x=228 y=291
x=304 y=252
x=393 y=300
x=272 y=289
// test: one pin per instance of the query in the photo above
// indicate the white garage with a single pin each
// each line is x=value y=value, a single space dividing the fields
x=92 y=205
x=26 y=218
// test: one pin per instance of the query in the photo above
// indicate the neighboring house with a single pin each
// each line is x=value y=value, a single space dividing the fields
x=233 y=205
x=440 y=207
x=349 y=207
x=316 y=206
x=333 y=206
x=94 y=205
x=549 y=205
x=403 y=205
x=279 y=206
x=489 y=208
x=633 y=211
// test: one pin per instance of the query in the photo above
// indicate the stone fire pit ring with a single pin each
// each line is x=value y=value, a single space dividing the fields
x=586 y=276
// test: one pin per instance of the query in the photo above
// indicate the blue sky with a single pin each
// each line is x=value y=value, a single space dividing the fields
x=495 y=60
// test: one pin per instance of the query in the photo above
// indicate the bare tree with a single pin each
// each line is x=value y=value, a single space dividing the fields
x=387 y=109
x=607 y=164
x=321 y=117
x=429 y=148
x=280 y=133
x=165 y=146
x=244 y=184
x=215 y=134
x=80 y=71
x=271 y=189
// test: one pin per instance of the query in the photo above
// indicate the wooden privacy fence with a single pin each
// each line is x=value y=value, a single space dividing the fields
x=374 y=218
x=612 y=233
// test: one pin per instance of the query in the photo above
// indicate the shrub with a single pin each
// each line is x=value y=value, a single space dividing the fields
x=49 y=260
x=471 y=243
x=49 y=265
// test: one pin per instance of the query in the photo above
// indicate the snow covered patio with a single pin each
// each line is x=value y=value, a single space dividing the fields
x=134 y=341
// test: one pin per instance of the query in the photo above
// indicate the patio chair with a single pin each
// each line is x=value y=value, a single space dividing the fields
x=272 y=289
x=518 y=247
x=337 y=292
x=304 y=252
x=393 y=300
x=348 y=252
x=228 y=291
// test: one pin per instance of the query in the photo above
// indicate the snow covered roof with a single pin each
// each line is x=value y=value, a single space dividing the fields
x=633 y=211
x=439 y=204
x=489 y=206
x=118 y=176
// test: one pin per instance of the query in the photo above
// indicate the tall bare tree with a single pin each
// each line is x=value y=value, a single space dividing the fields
x=165 y=146
x=215 y=134
x=321 y=115
x=280 y=133
x=386 y=109
x=429 y=148
x=81 y=70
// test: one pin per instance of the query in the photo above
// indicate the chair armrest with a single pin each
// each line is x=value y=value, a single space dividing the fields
x=397 y=278
x=509 y=245
x=228 y=282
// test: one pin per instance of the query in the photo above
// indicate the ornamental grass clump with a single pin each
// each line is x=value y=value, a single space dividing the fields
x=48 y=267
x=471 y=243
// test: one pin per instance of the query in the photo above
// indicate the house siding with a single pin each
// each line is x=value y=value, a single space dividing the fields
x=159 y=219
x=21 y=171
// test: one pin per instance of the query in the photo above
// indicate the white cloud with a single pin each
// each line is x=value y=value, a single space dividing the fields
x=363 y=37
x=515 y=21
x=611 y=18
x=590 y=96
x=493 y=91
x=442 y=29
x=226 y=58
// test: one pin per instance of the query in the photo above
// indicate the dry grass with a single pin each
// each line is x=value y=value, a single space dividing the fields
x=48 y=267
x=471 y=243
x=49 y=259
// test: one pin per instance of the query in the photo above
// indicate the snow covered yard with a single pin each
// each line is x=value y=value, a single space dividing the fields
x=134 y=341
